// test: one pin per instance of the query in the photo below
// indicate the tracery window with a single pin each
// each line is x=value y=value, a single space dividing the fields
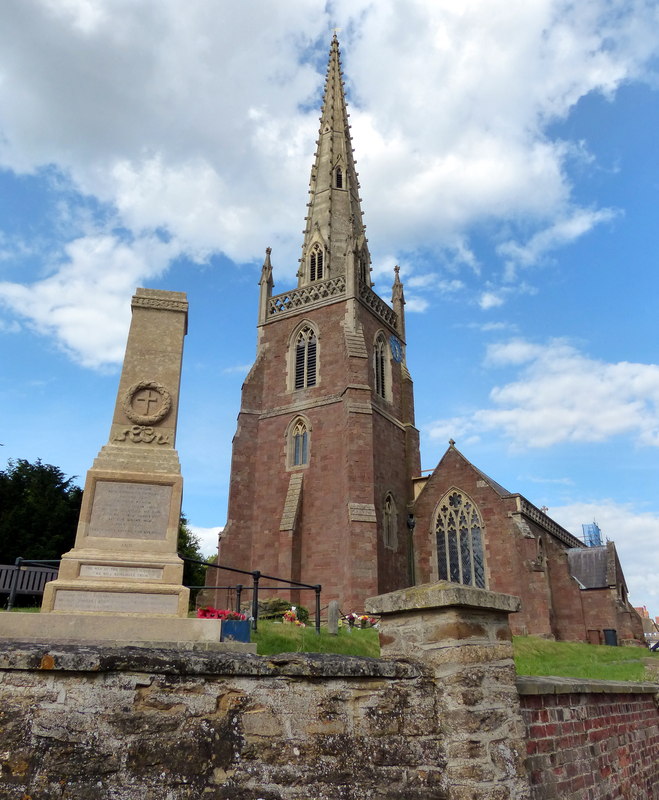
x=459 y=532
x=305 y=358
x=379 y=365
x=299 y=444
x=316 y=263
x=390 y=522
x=339 y=178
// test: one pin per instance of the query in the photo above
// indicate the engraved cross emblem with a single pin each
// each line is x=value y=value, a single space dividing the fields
x=147 y=396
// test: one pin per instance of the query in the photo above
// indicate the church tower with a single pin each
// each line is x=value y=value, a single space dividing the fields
x=326 y=449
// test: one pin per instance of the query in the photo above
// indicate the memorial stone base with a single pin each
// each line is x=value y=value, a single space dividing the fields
x=124 y=561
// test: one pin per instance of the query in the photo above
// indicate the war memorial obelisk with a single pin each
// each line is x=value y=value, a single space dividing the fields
x=121 y=584
x=124 y=560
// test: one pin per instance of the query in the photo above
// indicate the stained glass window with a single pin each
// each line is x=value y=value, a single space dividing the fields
x=459 y=533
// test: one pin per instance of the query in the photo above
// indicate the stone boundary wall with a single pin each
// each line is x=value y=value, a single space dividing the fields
x=591 y=740
x=441 y=716
x=123 y=723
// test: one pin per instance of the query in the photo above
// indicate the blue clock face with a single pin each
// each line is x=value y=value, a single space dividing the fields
x=396 y=349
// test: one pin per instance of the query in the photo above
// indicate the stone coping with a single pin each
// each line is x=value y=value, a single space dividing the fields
x=17 y=655
x=442 y=594
x=541 y=684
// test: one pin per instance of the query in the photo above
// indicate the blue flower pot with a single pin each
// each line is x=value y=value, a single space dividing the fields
x=235 y=630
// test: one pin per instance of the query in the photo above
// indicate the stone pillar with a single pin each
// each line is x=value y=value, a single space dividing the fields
x=125 y=556
x=462 y=635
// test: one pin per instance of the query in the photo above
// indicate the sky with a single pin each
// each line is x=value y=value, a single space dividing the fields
x=508 y=161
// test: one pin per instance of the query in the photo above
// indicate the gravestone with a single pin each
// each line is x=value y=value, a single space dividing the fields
x=125 y=560
x=333 y=618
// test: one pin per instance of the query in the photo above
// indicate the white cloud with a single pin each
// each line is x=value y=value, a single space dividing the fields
x=416 y=304
x=84 y=303
x=240 y=369
x=559 y=395
x=189 y=119
x=635 y=534
x=562 y=232
x=489 y=300
x=208 y=538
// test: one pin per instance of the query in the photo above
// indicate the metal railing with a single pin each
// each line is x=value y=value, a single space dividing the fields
x=256 y=587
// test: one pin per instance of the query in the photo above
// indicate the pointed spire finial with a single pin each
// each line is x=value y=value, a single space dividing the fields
x=334 y=218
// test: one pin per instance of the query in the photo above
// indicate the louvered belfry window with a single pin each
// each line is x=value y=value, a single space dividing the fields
x=305 y=358
x=316 y=264
x=459 y=532
x=339 y=178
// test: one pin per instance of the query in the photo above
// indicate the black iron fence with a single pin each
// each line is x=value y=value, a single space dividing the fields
x=256 y=586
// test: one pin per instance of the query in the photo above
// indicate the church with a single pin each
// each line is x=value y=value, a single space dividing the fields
x=326 y=485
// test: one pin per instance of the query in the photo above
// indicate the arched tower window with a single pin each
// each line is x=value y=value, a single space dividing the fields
x=338 y=178
x=459 y=532
x=298 y=444
x=390 y=522
x=379 y=365
x=316 y=263
x=305 y=358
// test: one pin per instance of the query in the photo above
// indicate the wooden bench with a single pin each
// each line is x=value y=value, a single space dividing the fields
x=26 y=578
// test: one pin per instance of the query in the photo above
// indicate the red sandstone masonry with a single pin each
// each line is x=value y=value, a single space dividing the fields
x=591 y=740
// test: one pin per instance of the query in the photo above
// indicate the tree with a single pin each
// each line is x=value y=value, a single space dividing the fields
x=188 y=546
x=39 y=510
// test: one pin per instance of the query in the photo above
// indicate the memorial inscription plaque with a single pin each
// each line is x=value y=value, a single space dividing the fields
x=130 y=510
x=105 y=571
x=133 y=602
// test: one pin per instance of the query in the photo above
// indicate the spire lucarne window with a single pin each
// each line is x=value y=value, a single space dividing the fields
x=305 y=358
x=316 y=263
x=459 y=532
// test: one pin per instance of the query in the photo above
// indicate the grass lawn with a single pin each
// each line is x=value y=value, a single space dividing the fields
x=535 y=656
x=274 y=637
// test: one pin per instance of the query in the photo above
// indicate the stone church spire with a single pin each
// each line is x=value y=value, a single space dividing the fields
x=334 y=231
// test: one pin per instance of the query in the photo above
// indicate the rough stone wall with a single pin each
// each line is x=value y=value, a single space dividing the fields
x=81 y=723
x=591 y=740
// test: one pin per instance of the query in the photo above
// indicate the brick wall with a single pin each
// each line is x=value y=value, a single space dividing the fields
x=591 y=741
